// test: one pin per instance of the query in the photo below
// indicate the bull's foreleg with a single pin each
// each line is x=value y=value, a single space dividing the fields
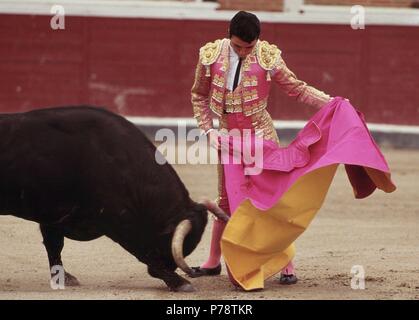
x=171 y=278
x=54 y=243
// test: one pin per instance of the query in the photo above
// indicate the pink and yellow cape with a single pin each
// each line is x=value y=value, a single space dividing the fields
x=271 y=209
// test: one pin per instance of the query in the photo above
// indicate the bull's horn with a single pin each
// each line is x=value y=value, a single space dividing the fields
x=215 y=210
x=182 y=229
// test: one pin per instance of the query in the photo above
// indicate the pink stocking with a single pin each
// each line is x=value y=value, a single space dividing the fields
x=215 y=251
x=288 y=269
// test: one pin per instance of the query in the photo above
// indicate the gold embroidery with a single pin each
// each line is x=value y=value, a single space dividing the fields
x=267 y=54
x=199 y=98
x=246 y=65
x=233 y=101
x=250 y=95
x=234 y=109
x=224 y=63
x=256 y=107
x=218 y=81
x=216 y=108
x=288 y=82
x=209 y=53
x=264 y=128
x=250 y=81
x=252 y=58
x=217 y=96
x=233 y=98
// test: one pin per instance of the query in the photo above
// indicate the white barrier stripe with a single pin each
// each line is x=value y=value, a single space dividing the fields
x=278 y=124
x=317 y=14
x=392 y=128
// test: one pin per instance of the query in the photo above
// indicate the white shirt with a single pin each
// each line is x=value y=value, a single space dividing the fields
x=234 y=61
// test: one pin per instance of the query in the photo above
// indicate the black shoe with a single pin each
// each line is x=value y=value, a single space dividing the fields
x=199 y=272
x=288 y=279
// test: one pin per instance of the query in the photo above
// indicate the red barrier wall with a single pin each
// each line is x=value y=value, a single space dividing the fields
x=145 y=67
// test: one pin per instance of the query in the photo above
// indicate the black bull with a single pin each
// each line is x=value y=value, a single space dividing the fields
x=83 y=172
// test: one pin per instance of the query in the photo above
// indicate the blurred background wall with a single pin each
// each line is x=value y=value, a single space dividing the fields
x=138 y=57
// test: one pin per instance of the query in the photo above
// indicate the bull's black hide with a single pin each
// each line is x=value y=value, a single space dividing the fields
x=84 y=172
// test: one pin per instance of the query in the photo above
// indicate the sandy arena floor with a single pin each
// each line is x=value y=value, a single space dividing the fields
x=381 y=233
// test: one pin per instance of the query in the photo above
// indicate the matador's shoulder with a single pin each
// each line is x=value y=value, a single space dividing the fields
x=209 y=53
x=267 y=54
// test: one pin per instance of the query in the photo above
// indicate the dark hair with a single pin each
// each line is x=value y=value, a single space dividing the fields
x=245 y=25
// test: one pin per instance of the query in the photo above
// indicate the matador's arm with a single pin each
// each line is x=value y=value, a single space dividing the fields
x=200 y=98
x=288 y=82
x=200 y=92
x=271 y=60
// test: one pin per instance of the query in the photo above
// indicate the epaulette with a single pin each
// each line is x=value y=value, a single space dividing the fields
x=209 y=53
x=267 y=54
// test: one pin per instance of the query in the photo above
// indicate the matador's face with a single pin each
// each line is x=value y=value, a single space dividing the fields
x=241 y=47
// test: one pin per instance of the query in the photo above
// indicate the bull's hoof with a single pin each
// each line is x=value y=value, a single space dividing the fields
x=70 y=280
x=187 y=287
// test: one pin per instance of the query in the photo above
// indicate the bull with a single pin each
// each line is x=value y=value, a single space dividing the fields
x=83 y=172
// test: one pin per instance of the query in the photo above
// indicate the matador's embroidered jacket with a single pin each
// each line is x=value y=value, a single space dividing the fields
x=262 y=66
